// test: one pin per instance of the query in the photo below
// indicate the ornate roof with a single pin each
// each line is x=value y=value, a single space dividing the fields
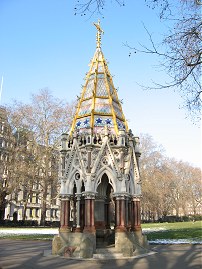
x=98 y=106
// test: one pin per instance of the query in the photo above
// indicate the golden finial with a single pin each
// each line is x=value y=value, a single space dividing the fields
x=99 y=32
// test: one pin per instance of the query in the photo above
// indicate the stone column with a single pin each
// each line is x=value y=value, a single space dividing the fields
x=65 y=214
x=73 y=213
x=82 y=213
x=129 y=214
x=126 y=208
x=78 y=205
x=120 y=213
x=136 y=217
x=89 y=212
x=107 y=215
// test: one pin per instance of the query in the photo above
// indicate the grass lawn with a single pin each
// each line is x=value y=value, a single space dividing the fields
x=154 y=231
x=177 y=230
x=28 y=233
x=28 y=236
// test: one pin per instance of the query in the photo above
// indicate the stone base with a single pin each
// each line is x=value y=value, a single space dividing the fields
x=131 y=243
x=83 y=245
x=80 y=245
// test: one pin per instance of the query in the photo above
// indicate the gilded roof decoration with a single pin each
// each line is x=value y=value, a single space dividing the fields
x=98 y=106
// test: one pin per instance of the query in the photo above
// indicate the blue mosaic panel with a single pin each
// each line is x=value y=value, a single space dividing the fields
x=101 y=88
x=78 y=124
x=120 y=124
x=84 y=110
x=89 y=89
x=85 y=107
x=103 y=121
x=109 y=122
x=99 y=122
x=83 y=123
x=102 y=106
x=86 y=102
x=112 y=92
x=100 y=68
x=117 y=109
x=100 y=76
x=86 y=122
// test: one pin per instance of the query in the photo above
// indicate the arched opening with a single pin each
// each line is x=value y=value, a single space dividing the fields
x=104 y=213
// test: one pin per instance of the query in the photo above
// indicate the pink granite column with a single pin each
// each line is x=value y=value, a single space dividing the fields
x=129 y=214
x=120 y=213
x=65 y=214
x=89 y=212
x=136 y=217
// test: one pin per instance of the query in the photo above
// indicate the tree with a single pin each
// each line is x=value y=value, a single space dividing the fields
x=92 y=6
x=42 y=122
x=181 y=47
x=186 y=186
x=168 y=186
x=21 y=170
x=155 y=183
x=6 y=151
x=180 y=53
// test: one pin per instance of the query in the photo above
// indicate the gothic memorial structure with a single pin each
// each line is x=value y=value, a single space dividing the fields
x=99 y=173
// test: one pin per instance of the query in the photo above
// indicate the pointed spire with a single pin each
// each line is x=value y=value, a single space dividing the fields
x=98 y=106
x=98 y=35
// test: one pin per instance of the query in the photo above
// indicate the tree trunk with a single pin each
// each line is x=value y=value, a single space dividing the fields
x=24 y=212
x=43 y=209
x=2 y=205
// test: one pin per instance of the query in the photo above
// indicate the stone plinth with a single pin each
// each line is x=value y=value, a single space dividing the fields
x=80 y=245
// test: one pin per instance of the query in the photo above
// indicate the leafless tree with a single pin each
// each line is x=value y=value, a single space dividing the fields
x=83 y=7
x=42 y=121
x=168 y=186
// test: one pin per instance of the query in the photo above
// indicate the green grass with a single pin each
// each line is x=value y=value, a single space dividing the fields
x=28 y=237
x=178 y=230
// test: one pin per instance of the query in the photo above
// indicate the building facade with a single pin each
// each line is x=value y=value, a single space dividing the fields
x=21 y=194
x=6 y=145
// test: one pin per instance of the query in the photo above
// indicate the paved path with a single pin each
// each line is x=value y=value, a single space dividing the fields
x=18 y=254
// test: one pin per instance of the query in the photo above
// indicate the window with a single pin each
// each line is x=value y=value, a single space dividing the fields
x=52 y=213
x=30 y=213
x=37 y=212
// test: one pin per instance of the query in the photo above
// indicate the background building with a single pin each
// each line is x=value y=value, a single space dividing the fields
x=21 y=187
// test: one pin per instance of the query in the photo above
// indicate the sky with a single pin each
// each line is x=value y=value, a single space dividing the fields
x=44 y=45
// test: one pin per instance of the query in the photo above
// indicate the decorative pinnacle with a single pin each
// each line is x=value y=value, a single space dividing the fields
x=99 y=32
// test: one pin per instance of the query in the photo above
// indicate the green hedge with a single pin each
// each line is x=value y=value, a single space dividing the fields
x=27 y=223
x=172 y=219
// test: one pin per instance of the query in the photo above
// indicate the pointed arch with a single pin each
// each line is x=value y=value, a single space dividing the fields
x=75 y=152
x=71 y=179
x=111 y=177
x=103 y=151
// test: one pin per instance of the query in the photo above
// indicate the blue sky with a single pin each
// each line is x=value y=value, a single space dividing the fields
x=42 y=44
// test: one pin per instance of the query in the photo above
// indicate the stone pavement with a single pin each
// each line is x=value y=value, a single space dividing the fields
x=22 y=254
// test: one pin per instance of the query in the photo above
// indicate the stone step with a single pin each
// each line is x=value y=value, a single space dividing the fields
x=106 y=250
x=108 y=256
x=107 y=253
